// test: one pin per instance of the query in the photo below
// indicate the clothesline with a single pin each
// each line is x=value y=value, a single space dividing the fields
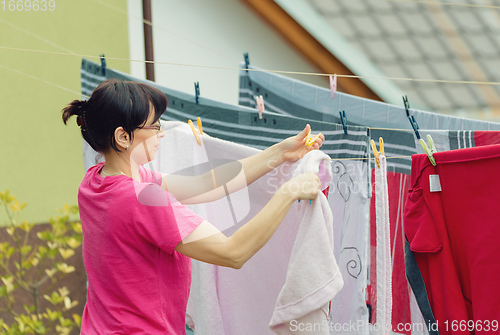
x=27 y=32
x=71 y=53
x=72 y=91
x=257 y=70
x=151 y=24
x=365 y=158
x=446 y=4
x=87 y=97
x=42 y=80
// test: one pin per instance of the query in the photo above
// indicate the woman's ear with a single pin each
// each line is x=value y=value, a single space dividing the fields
x=122 y=138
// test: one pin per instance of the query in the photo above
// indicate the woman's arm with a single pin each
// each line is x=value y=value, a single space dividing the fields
x=206 y=243
x=290 y=149
x=207 y=187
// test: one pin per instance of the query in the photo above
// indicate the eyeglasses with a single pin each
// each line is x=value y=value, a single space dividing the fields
x=156 y=126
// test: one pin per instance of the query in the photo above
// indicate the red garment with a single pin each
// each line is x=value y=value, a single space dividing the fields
x=486 y=138
x=401 y=313
x=454 y=235
x=138 y=283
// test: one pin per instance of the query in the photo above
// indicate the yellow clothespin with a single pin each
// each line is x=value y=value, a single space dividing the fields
x=310 y=140
x=429 y=151
x=198 y=132
x=376 y=153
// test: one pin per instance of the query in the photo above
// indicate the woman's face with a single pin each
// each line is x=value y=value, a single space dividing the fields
x=146 y=141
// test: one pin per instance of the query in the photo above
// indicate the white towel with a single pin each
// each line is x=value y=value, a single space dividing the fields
x=383 y=260
x=181 y=153
x=224 y=300
x=313 y=277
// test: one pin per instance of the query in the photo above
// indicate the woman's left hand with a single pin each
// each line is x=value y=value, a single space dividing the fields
x=294 y=148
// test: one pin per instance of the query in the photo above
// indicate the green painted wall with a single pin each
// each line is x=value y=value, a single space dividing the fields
x=41 y=160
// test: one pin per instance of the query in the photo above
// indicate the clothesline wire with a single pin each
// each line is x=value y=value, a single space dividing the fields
x=42 y=80
x=365 y=158
x=446 y=4
x=86 y=96
x=71 y=52
x=27 y=32
x=152 y=25
x=257 y=70
x=229 y=68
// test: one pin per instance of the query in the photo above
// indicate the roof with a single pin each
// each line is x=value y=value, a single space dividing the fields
x=416 y=40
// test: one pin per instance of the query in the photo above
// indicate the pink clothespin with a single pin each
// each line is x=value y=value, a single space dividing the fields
x=333 y=85
x=260 y=105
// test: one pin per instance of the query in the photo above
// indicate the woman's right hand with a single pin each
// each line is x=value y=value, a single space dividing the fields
x=302 y=187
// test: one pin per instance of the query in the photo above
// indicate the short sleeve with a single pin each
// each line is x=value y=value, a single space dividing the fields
x=149 y=176
x=161 y=219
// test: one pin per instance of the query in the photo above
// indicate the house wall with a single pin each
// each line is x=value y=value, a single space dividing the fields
x=203 y=38
x=41 y=159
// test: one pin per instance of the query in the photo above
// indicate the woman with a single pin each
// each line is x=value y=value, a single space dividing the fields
x=138 y=237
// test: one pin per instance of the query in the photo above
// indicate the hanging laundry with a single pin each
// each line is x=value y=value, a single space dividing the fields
x=451 y=217
x=215 y=291
x=262 y=283
x=383 y=253
x=316 y=102
x=446 y=140
x=293 y=97
x=313 y=278
x=349 y=189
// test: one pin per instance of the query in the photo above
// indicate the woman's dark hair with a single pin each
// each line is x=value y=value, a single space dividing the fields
x=115 y=103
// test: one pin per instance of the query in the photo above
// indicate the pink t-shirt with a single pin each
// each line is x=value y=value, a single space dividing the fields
x=138 y=283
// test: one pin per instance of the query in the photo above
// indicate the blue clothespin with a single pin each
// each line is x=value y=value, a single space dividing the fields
x=343 y=119
x=411 y=118
x=247 y=60
x=103 y=64
x=196 y=91
x=247 y=63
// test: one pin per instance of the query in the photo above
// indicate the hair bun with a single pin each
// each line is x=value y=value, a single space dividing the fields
x=76 y=107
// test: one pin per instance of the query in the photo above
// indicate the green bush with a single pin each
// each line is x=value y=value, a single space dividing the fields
x=38 y=270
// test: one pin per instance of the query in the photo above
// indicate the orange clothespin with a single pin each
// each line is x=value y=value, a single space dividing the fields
x=376 y=153
x=260 y=105
x=310 y=140
x=198 y=132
